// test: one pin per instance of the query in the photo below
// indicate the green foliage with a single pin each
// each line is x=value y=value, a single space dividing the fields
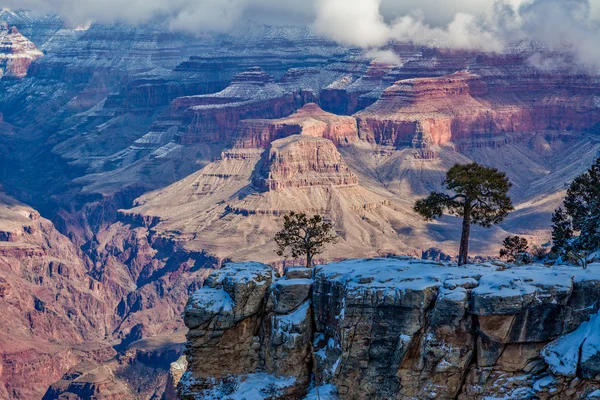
x=478 y=190
x=576 y=229
x=562 y=232
x=304 y=236
x=583 y=206
x=514 y=246
x=477 y=194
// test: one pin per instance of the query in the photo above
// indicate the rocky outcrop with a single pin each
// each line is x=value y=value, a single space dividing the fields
x=303 y=161
x=242 y=324
x=50 y=303
x=249 y=190
x=88 y=380
x=310 y=120
x=466 y=108
x=16 y=52
x=252 y=94
x=398 y=329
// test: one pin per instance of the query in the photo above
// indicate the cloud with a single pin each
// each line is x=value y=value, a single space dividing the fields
x=488 y=25
x=352 y=22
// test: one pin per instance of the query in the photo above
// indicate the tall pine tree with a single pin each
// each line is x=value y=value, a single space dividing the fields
x=479 y=195
x=562 y=232
x=578 y=227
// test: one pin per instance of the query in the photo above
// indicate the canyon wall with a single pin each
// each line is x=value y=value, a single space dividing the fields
x=16 y=52
x=395 y=328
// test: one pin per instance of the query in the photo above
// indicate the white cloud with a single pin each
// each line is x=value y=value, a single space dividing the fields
x=370 y=24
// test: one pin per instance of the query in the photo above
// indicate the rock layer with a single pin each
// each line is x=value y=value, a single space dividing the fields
x=310 y=120
x=399 y=329
x=303 y=161
x=16 y=52
x=466 y=107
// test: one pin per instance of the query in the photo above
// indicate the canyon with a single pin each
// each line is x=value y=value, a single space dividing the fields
x=134 y=161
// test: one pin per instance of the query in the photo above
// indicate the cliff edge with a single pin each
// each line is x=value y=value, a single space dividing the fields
x=395 y=328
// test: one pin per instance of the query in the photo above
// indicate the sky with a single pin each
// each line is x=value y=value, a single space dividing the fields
x=487 y=25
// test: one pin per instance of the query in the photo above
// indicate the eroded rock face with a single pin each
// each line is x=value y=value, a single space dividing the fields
x=408 y=329
x=243 y=323
x=16 y=52
x=466 y=108
x=303 y=161
x=252 y=94
x=310 y=120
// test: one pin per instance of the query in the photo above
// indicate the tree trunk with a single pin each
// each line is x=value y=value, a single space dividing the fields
x=463 y=253
x=308 y=259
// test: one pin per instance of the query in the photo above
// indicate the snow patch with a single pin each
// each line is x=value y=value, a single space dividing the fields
x=562 y=355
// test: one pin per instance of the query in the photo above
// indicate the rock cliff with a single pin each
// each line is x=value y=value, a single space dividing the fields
x=466 y=108
x=394 y=329
x=16 y=52
x=303 y=161
x=310 y=120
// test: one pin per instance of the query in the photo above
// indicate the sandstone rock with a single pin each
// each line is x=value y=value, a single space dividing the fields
x=88 y=380
x=241 y=325
x=16 y=53
x=299 y=273
x=310 y=120
x=405 y=329
x=463 y=107
x=286 y=295
x=300 y=161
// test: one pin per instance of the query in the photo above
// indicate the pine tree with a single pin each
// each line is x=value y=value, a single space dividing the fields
x=480 y=196
x=514 y=246
x=576 y=229
x=304 y=236
x=562 y=232
x=583 y=206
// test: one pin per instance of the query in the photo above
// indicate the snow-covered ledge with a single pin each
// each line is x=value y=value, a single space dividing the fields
x=396 y=328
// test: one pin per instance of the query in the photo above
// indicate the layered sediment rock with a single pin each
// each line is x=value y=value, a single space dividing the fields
x=303 y=161
x=16 y=52
x=49 y=301
x=399 y=329
x=310 y=120
x=468 y=108
x=252 y=94
x=247 y=191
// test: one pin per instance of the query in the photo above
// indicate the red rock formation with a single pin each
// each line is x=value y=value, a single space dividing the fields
x=49 y=302
x=310 y=120
x=252 y=94
x=302 y=161
x=16 y=53
x=465 y=107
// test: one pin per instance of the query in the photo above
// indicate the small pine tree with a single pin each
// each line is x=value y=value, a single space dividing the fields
x=514 y=246
x=304 y=236
x=480 y=197
x=562 y=232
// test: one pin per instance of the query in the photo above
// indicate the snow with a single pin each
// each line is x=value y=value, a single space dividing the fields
x=294 y=282
x=322 y=392
x=458 y=294
x=297 y=317
x=251 y=387
x=536 y=283
x=543 y=383
x=594 y=395
x=563 y=355
x=212 y=300
x=397 y=273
